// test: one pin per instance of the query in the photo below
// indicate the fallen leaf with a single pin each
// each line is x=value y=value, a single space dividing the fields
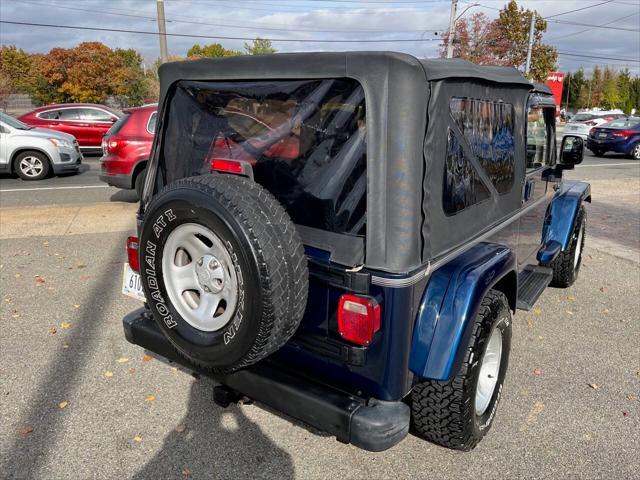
x=122 y=360
x=632 y=397
x=537 y=372
x=81 y=265
x=605 y=311
x=77 y=306
x=137 y=438
x=52 y=330
x=603 y=289
x=17 y=275
x=46 y=244
x=63 y=404
x=569 y=312
x=186 y=471
x=571 y=298
x=65 y=346
x=147 y=358
x=595 y=386
x=108 y=374
x=25 y=430
x=625 y=413
x=150 y=398
x=132 y=371
x=180 y=428
x=65 y=325
x=536 y=311
x=39 y=280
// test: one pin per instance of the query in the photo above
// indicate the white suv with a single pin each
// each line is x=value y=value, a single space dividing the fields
x=582 y=122
x=34 y=153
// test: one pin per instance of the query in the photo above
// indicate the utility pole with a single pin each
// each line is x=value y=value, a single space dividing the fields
x=162 y=32
x=452 y=28
x=566 y=104
x=532 y=29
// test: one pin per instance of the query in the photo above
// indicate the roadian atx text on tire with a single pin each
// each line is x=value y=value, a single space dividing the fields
x=223 y=269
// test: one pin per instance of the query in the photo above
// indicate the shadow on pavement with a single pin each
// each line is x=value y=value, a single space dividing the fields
x=27 y=454
x=217 y=443
x=126 y=196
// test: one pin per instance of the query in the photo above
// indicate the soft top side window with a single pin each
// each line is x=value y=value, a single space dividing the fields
x=540 y=137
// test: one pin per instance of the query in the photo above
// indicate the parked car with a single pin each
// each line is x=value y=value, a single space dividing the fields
x=582 y=122
x=86 y=121
x=35 y=153
x=368 y=283
x=620 y=136
x=126 y=148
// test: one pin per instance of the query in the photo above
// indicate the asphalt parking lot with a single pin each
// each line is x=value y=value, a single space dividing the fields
x=78 y=401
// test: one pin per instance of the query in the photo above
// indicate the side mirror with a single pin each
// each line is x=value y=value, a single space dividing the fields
x=571 y=151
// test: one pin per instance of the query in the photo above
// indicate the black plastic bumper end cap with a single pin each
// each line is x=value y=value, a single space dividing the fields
x=379 y=425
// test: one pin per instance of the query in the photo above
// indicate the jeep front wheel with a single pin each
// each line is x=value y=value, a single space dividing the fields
x=566 y=265
x=223 y=270
x=457 y=413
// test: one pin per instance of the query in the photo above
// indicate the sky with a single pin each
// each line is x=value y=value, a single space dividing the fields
x=402 y=25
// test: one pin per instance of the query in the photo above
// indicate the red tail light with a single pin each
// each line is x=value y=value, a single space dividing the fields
x=624 y=133
x=223 y=165
x=115 y=144
x=358 y=318
x=132 y=253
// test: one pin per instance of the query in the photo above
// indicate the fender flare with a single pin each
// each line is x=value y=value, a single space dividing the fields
x=561 y=218
x=450 y=303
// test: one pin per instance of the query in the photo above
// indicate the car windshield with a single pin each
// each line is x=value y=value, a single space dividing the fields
x=582 y=117
x=13 y=123
x=623 y=123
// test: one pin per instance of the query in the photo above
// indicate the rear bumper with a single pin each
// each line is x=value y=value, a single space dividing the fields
x=371 y=424
x=119 y=180
x=610 y=146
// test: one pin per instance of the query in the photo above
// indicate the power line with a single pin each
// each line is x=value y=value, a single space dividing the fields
x=219 y=37
x=622 y=29
x=592 y=28
x=579 y=9
x=224 y=25
x=569 y=54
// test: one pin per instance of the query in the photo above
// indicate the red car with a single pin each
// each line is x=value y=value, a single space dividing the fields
x=126 y=148
x=86 y=121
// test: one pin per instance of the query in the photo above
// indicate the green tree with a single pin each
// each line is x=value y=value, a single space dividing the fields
x=260 y=46
x=212 y=50
x=611 y=95
x=17 y=67
x=573 y=84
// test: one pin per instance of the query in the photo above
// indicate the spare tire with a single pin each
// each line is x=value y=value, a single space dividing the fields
x=223 y=270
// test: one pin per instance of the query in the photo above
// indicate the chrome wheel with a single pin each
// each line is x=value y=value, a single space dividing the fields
x=489 y=369
x=578 y=251
x=199 y=276
x=636 y=152
x=31 y=166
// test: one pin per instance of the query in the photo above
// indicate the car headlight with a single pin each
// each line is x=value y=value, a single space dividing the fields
x=58 y=142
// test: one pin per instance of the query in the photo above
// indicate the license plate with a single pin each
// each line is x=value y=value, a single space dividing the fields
x=132 y=283
x=602 y=135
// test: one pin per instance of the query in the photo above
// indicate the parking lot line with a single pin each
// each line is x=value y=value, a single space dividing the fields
x=606 y=165
x=75 y=187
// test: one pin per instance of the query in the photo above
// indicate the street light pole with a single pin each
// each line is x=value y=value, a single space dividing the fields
x=452 y=28
x=532 y=29
x=162 y=32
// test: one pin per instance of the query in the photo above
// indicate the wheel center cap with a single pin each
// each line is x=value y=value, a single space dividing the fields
x=210 y=274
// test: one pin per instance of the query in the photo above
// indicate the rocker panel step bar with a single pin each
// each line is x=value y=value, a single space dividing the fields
x=531 y=283
x=372 y=424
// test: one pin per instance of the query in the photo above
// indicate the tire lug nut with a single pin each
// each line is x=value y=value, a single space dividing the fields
x=213 y=264
x=200 y=262
x=206 y=289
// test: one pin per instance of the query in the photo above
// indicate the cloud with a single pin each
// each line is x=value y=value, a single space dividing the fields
x=323 y=20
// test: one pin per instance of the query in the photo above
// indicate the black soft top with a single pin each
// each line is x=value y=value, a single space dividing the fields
x=407 y=102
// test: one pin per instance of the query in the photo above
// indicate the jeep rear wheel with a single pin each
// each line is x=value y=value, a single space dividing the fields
x=457 y=413
x=223 y=270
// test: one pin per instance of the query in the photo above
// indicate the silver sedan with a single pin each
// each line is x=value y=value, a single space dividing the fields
x=35 y=153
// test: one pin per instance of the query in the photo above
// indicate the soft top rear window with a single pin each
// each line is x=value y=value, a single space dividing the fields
x=305 y=140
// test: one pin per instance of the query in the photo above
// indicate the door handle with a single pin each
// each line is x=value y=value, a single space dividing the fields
x=528 y=189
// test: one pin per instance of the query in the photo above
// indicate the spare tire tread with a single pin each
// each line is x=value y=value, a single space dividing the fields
x=284 y=283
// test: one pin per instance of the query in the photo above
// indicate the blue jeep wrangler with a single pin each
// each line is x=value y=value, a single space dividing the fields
x=345 y=236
